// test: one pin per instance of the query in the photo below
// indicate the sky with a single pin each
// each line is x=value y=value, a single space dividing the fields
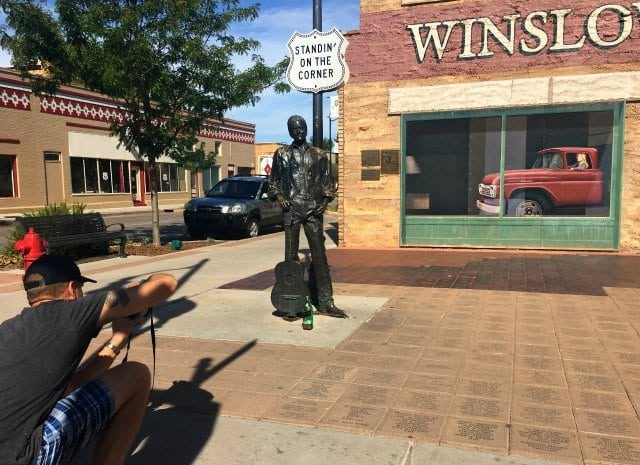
x=278 y=20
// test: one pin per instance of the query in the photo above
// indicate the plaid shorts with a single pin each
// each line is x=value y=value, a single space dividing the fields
x=74 y=422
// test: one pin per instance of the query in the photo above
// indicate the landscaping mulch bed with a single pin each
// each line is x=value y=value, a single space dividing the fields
x=150 y=250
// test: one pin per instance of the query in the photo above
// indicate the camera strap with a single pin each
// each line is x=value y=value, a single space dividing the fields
x=153 y=347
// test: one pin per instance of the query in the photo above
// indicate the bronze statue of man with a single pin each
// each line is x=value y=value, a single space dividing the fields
x=301 y=182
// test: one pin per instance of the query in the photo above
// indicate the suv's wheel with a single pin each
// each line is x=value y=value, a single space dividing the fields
x=195 y=233
x=252 y=229
x=531 y=204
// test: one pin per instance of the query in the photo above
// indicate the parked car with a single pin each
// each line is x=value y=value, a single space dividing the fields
x=237 y=205
x=560 y=177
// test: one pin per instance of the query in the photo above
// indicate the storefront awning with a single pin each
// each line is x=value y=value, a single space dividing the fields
x=101 y=146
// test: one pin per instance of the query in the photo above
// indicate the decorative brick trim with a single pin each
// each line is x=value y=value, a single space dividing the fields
x=76 y=107
x=15 y=97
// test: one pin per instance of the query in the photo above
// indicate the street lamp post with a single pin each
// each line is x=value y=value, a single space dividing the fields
x=317 y=97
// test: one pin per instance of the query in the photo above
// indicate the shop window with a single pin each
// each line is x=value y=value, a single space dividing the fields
x=165 y=186
x=51 y=156
x=171 y=177
x=8 y=176
x=245 y=170
x=555 y=164
x=445 y=162
x=558 y=164
x=182 y=179
x=105 y=176
x=77 y=175
x=93 y=176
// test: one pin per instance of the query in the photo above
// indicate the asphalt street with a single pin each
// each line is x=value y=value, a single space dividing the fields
x=139 y=225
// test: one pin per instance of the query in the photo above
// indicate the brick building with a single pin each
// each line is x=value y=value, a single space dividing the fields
x=58 y=149
x=264 y=156
x=450 y=103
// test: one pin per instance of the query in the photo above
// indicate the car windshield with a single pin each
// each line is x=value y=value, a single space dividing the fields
x=235 y=189
x=550 y=161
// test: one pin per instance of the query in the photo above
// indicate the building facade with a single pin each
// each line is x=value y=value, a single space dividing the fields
x=264 y=156
x=58 y=148
x=492 y=124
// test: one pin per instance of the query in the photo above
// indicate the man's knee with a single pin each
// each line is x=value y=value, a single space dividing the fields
x=139 y=373
x=127 y=380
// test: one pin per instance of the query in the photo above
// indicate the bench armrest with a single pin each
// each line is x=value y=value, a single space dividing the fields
x=116 y=224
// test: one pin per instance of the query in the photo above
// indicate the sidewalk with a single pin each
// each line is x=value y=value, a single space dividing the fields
x=10 y=217
x=450 y=357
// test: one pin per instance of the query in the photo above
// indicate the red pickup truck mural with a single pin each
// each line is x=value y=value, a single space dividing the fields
x=560 y=177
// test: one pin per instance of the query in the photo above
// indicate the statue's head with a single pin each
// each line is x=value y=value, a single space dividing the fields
x=297 y=129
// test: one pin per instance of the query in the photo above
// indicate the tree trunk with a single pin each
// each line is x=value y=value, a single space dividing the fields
x=155 y=211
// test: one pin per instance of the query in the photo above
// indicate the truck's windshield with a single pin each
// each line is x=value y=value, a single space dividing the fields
x=235 y=189
x=550 y=161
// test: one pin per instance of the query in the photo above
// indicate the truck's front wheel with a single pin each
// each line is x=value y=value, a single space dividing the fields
x=529 y=204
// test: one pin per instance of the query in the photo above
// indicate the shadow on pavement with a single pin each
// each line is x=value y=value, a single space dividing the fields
x=167 y=436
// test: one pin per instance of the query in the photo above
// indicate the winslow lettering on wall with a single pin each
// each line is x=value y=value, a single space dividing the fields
x=606 y=26
x=484 y=36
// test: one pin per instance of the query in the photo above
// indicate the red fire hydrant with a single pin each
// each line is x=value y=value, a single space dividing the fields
x=31 y=246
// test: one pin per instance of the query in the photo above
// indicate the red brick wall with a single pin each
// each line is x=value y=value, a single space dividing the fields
x=383 y=50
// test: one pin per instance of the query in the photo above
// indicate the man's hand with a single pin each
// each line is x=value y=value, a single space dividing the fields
x=122 y=329
x=284 y=203
x=320 y=209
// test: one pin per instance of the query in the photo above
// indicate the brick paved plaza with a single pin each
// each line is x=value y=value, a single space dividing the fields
x=521 y=355
x=533 y=374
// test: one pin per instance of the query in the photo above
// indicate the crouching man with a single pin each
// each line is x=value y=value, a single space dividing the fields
x=50 y=408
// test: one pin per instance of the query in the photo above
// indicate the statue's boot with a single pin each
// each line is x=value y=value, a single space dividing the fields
x=330 y=309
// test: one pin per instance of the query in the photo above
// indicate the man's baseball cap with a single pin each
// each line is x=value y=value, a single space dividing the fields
x=53 y=269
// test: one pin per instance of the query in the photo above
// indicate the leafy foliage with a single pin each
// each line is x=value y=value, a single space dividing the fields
x=57 y=209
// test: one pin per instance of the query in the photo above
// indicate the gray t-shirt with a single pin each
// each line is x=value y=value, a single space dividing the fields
x=40 y=350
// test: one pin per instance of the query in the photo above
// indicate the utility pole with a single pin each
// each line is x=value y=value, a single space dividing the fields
x=317 y=97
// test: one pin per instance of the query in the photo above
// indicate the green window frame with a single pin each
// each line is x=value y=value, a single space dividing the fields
x=564 y=232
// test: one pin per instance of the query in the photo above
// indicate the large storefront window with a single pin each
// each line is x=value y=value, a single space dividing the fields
x=172 y=177
x=7 y=176
x=446 y=160
x=95 y=176
x=532 y=177
x=556 y=164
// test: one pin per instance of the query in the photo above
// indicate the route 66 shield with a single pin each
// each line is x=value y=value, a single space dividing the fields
x=317 y=61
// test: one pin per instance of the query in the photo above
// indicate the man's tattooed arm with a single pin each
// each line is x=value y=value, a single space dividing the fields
x=115 y=298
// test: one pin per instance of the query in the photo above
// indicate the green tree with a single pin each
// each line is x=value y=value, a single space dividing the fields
x=167 y=63
x=195 y=159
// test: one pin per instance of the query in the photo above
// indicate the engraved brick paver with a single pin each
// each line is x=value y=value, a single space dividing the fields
x=545 y=371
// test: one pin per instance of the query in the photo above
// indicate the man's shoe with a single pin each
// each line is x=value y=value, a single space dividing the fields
x=332 y=310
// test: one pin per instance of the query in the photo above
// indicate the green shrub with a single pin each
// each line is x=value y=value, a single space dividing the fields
x=54 y=209
x=17 y=232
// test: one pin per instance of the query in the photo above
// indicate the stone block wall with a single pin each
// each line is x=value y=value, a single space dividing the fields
x=630 y=214
x=381 y=56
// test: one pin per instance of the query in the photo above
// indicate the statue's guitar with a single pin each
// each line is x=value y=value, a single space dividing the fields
x=289 y=295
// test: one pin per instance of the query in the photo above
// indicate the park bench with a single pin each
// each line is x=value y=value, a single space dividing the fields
x=68 y=230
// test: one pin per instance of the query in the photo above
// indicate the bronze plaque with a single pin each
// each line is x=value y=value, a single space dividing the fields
x=370 y=175
x=370 y=157
x=390 y=162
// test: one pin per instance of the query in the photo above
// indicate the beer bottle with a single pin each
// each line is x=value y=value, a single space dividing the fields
x=307 y=321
